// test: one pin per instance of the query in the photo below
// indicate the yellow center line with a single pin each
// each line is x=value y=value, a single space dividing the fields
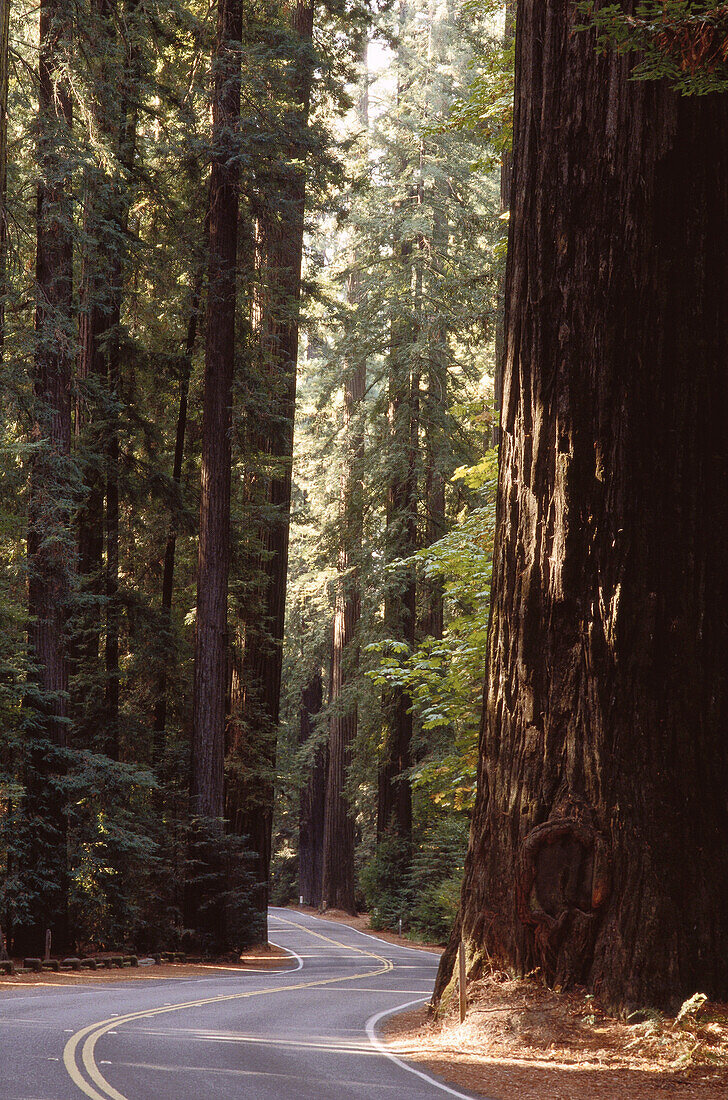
x=95 y=1085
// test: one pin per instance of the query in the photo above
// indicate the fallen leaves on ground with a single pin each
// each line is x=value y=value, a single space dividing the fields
x=520 y=1041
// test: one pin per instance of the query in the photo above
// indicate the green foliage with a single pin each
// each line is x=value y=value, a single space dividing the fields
x=443 y=677
x=683 y=41
x=485 y=108
x=417 y=882
x=386 y=883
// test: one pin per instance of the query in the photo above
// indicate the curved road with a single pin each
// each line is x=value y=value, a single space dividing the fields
x=306 y=1033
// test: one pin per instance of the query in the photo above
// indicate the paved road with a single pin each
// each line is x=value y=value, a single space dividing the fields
x=303 y=1034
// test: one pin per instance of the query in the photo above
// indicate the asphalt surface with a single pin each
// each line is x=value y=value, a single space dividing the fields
x=306 y=1033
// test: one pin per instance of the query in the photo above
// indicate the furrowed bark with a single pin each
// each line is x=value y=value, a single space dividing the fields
x=4 y=74
x=339 y=833
x=313 y=798
x=210 y=676
x=250 y=803
x=50 y=553
x=597 y=849
x=160 y=708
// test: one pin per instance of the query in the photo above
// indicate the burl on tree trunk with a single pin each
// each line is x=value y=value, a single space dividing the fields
x=598 y=848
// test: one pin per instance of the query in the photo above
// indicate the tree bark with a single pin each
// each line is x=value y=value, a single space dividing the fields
x=106 y=207
x=50 y=555
x=394 y=797
x=597 y=848
x=281 y=229
x=4 y=75
x=160 y=707
x=210 y=677
x=339 y=832
x=506 y=176
x=313 y=799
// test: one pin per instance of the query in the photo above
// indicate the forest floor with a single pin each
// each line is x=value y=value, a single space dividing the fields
x=261 y=957
x=520 y=1041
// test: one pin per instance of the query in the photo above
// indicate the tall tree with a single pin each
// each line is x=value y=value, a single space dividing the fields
x=4 y=75
x=114 y=91
x=313 y=797
x=596 y=849
x=185 y=368
x=210 y=674
x=394 y=803
x=280 y=228
x=50 y=557
x=339 y=835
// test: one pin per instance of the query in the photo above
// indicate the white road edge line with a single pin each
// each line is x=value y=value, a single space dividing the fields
x=371 y=1025
x=298 y=958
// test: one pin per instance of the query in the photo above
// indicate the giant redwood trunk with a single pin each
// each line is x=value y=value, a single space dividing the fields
x=210 y=676
x=598 y=849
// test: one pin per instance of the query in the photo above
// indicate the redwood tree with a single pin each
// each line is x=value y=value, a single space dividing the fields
x=597 y=849
x=313 y=796
x=50 y=551
x=339 y=831
x=210 y=676
x=249 y=802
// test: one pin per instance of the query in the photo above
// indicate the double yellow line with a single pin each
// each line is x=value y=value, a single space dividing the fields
x=79 y=1053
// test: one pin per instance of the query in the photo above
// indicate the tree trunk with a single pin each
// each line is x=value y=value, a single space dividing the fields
x=339 y=832
x=208 y=733
x=282 y=225
x=50 y=554
x=160 y=708
x=338 y=869
x=506 y=174
x=106 y=206
x=394 y=795
x=313 y=798
x=394 y=801
x=598 y=850
x=4 y=74
x=438 y=422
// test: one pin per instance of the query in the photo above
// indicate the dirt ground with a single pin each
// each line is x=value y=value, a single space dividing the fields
x=261 y=957
x=520 y=1041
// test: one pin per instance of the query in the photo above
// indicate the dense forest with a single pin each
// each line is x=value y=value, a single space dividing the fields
x=312 y=327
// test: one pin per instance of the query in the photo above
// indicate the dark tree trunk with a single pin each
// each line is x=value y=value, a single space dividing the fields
x=394 y=800
x=313 y=798
x=339 y=832
x=99 y=244
x=106 y=206
x=160 y=708
x=208 y=733
x=394 y=795
x=339 y=836
x=506 y=175
x=50 y=553
x=438 y=425
x=128 y=118
x=4 y=74
x=282 y=224
x=598 y=848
